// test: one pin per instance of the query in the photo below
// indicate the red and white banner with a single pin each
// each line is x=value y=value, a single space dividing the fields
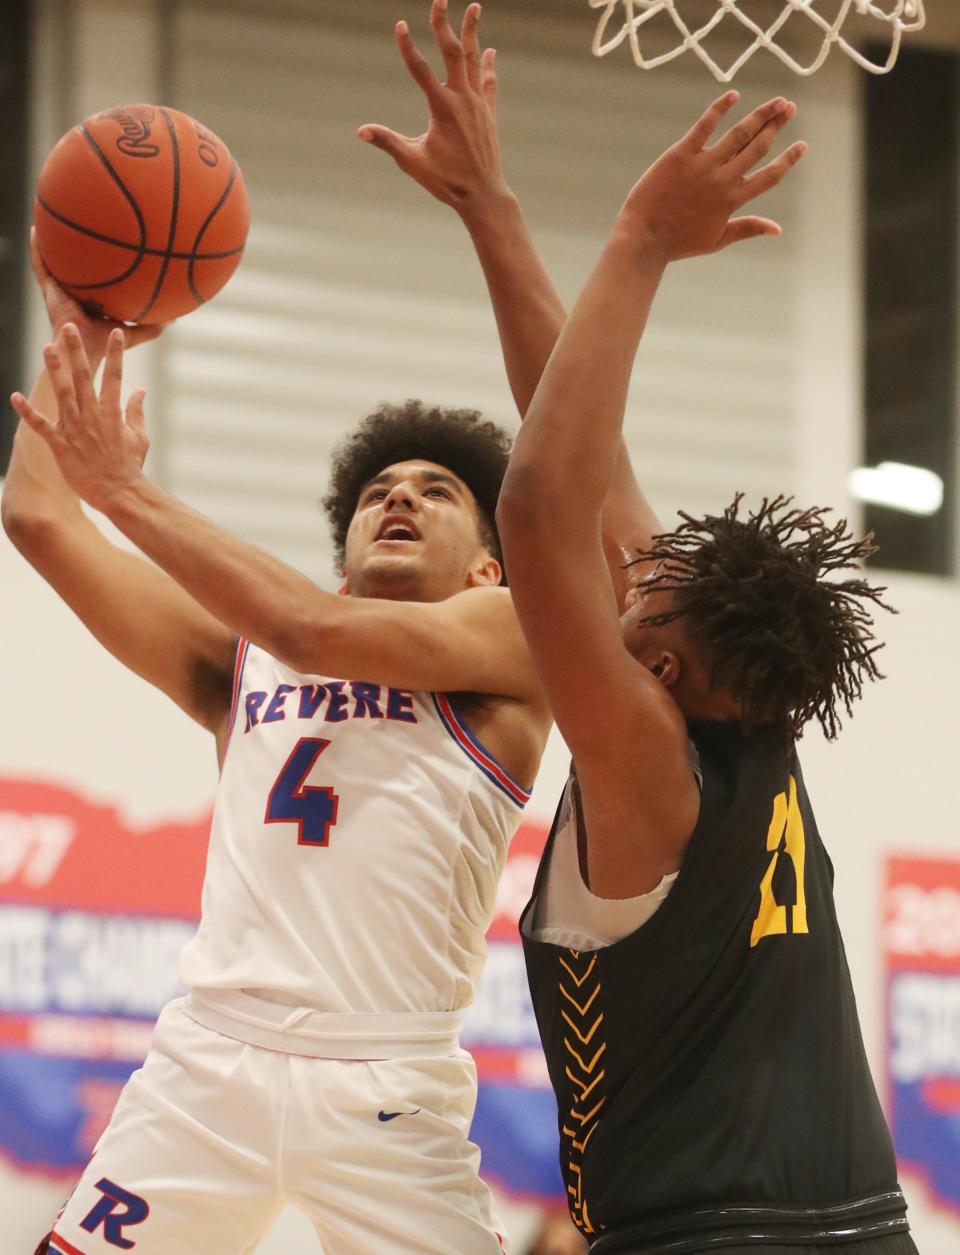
x=921 y=941
x=94 y=912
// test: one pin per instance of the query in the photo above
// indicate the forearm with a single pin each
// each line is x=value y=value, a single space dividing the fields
x=444 y=646
x=530 y=316
x=34 y=491
x=570 y=445
x=36 y=494
x=247 y=589
x=528 y=309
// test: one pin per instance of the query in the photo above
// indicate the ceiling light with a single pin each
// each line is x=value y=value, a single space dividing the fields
x=912 y=489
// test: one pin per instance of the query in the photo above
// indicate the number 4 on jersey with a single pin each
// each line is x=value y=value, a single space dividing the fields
x=313 y=808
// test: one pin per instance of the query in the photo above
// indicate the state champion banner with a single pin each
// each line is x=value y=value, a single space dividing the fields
x=922 y=954
x=94 y=912
x=93 y=916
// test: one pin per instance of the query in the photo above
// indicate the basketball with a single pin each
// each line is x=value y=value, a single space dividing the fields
x=141 y=213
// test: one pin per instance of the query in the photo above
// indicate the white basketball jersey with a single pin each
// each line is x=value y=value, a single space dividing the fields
x=358 y=836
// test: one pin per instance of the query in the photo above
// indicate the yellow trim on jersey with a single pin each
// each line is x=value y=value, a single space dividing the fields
x=580 y=1125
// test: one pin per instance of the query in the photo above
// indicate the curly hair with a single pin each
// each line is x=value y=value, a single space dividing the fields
x=790 y=643
x=474 y=449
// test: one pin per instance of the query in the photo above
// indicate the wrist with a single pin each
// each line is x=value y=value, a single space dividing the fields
x=639 y=244
x=122 y=499
x=489 y=207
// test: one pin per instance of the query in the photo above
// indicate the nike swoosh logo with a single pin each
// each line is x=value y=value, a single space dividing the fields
x=384 y=1116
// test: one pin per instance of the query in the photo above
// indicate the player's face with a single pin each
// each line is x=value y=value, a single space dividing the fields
x=415 y=536
x=651 y=644
x=672 y=655
x=642 y=600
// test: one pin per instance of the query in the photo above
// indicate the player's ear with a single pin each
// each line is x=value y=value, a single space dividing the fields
x=485 y=572
x=344 y=589
x=666 y=667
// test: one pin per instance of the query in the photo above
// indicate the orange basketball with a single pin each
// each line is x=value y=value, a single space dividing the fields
x=141 y=213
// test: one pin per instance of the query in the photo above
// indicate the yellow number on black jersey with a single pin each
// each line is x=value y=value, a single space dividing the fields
x=785 y=838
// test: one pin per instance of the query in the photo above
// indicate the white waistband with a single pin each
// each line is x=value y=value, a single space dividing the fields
x=323 y=1034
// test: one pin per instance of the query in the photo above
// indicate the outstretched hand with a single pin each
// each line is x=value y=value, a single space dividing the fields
x=684 y=204
x=63 y=309
x=100 y=451
x=457 y=158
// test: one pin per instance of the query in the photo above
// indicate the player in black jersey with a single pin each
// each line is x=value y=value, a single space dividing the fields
x=686 y=966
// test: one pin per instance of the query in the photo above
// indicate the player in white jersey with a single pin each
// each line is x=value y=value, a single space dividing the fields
x=359 y=831
x=365 y=802
x=361 y=822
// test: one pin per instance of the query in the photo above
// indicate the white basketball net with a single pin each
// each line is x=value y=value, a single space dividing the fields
x=894 y=17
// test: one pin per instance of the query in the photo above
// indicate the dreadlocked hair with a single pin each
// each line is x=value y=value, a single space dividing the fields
x=791 y=643
x=473 y=448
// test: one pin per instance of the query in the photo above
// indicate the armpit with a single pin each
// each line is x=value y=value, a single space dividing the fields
x=211 y=684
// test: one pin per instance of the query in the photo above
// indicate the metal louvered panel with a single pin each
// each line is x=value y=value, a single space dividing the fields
x=358 y=288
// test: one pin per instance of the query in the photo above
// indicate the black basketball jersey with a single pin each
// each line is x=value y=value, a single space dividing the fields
x=709 y=1068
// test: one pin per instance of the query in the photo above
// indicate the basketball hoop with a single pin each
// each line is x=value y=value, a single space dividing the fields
x=893 y=16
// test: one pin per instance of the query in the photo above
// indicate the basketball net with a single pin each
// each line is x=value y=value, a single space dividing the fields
x=896 y=16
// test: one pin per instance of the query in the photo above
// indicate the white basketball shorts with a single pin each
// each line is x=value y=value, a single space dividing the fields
x=212 y=1136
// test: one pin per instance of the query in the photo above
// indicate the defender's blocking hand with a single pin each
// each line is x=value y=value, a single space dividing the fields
x=99 y=450
x=684 y=204
x=457 y=158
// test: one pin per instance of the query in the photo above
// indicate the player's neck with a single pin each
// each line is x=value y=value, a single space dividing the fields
x=401 y=589
x=711 y=704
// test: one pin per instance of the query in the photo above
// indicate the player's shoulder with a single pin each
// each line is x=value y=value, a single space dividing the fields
x=487 y=614
x=489 y=610
x=491 y=599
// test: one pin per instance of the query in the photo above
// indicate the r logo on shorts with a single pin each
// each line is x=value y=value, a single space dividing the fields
x=114 y=1221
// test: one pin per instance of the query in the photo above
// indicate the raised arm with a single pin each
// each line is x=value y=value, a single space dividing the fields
x=470 y=642
x=457 y=159
x=137 y=612
x=627 y=735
